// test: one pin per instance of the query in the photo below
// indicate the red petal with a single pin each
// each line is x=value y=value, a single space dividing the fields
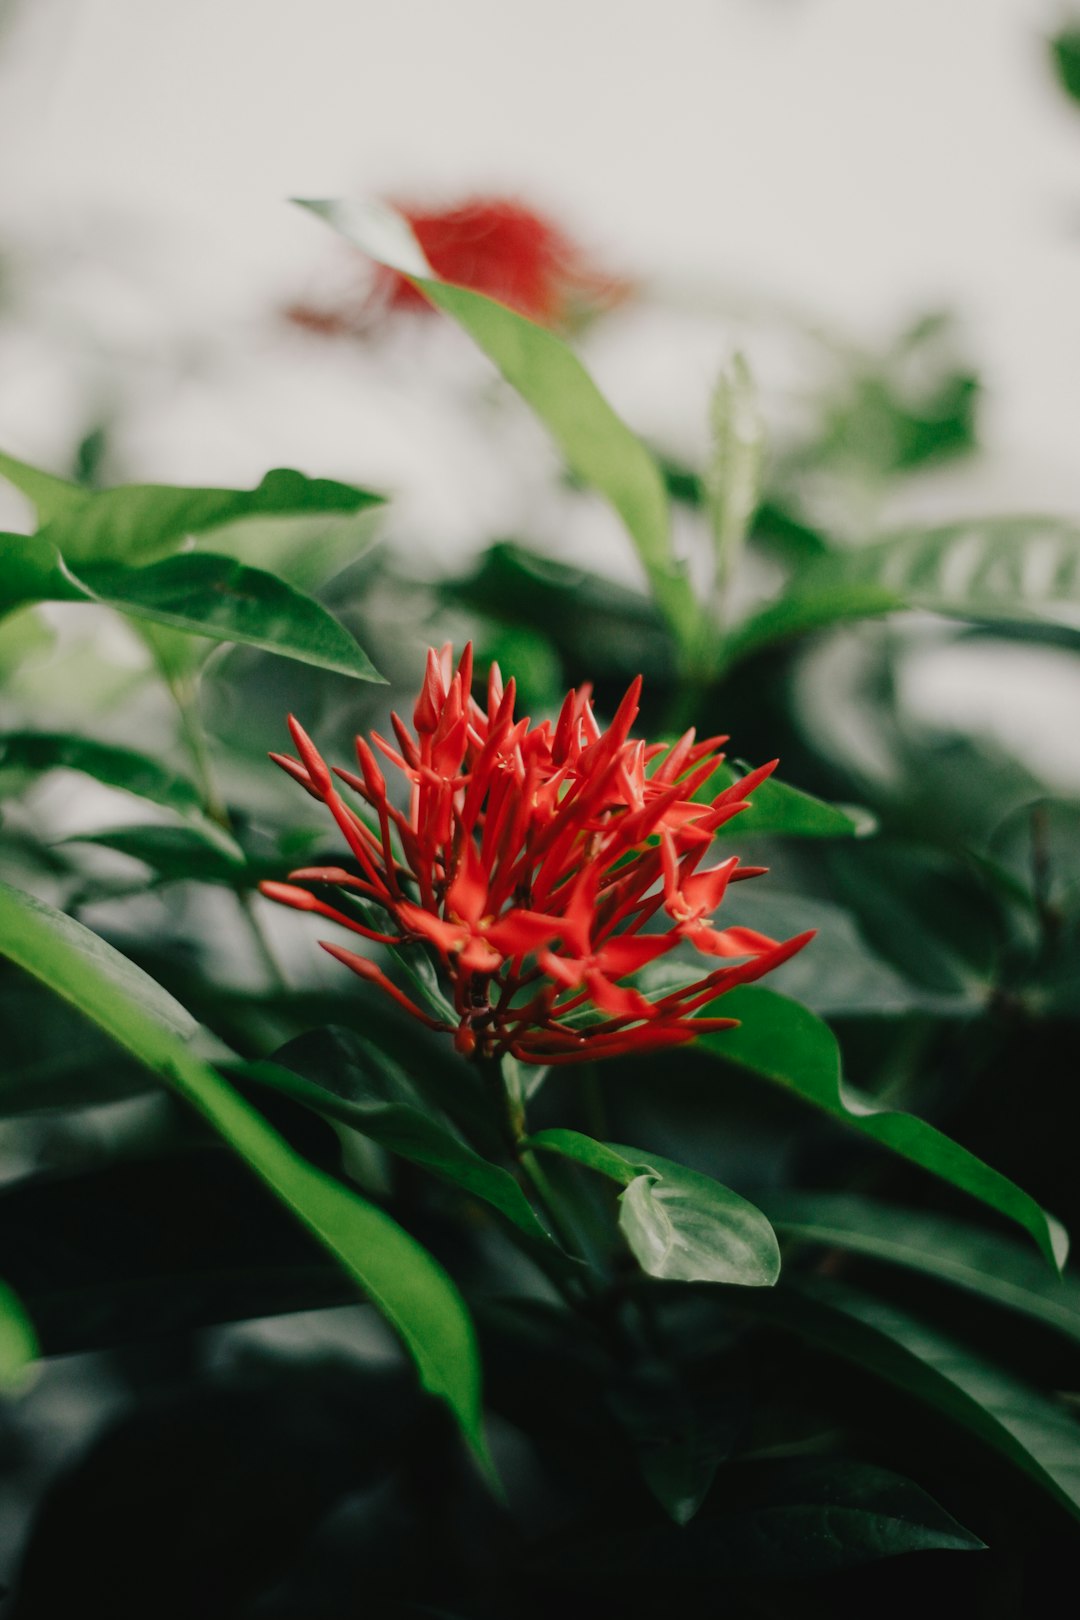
x=432 y=696
x=627 y=953
x=467 y=895
x=313 y=760
x=615 y=999
x=519 y=931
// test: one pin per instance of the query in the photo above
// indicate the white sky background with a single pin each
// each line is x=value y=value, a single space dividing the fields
x=866 y=158
x=863 y=159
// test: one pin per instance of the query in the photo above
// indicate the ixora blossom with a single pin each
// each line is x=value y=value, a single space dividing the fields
x=494 y=245
x=544 y=866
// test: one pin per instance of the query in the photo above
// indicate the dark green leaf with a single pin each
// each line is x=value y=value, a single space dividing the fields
x=788 y=1521
x=31 y=571
x=786 y=1043
x=599 y=447
x=109 y=763
x=412 y=1133
x=199 y=592
x=926 y=913
x=18 y=1341
x=221 y=598
x=204 y=854
x=786 y=812
x=968 y=1257
x=1035 y=1435
x=410 y=1288
x=679 y=1224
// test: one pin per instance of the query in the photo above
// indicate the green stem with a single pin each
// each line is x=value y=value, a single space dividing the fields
x=263 y=948
x=185 y=694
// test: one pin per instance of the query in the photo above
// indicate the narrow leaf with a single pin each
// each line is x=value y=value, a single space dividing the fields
x=733 y=474
x=968 y=1257
x=1038 y=1437
x=399 y=1276
x=18 y=1341
x=203 y=853
x=786 y=1043
x=413 y=1135
x=599 y=447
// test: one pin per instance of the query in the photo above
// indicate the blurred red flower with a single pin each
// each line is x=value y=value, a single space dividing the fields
x=530 y=861
x=494 y=245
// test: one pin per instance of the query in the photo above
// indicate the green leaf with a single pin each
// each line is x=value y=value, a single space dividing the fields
x=136 y=523
x=1035 y=1435
x=994 y=571
x=18 y=1341
x=199 y=592
x=786 y=1043
x=786 y=812
x=777 y=1521
x=221 y=598
x=680 y=1434
x=411 y=1133
x=599 y=448
x=400 y=1277
x=204 y=853
x=733 y=475
x=51 y=497
x=115 y=766
x=679 y=1224
x=968 y=1257
x=1065 y=54
x=33 y=572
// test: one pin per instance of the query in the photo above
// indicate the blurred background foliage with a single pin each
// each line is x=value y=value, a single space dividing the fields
x=217 y=1426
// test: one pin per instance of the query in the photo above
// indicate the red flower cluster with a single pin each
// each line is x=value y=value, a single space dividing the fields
x=495 y=246
x=531 y=860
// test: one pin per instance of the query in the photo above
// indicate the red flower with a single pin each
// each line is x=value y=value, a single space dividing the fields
x=494 y=245
x=531 y=860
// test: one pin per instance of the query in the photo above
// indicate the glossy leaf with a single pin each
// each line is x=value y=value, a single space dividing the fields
x=109 y=763
x=31 y=571
x=968 y=1257
x=18 y=1341
x=786 y=812
x=599 y=447
x=1030 y=1431
x=221 y=598
x=399 y=1276
x=680 y=1225
x=413 y=1134
x=135 y=523
x=994 y=570
x=200 y=592
x=786 y=1043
